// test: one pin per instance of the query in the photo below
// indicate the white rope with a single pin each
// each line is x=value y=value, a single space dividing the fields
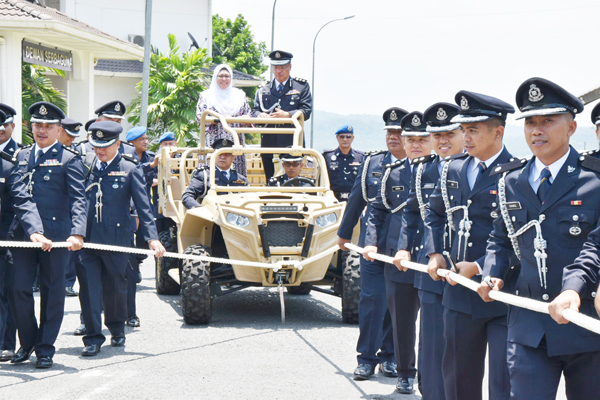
x=582 y=320
x=94 y=246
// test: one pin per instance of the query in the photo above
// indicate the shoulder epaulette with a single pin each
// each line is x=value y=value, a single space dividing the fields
x=591 y=152
x=424 y=159
x=71 y=150
x=359 y=151
x=17 y=151
x=299 y=80
x=130 y=158
x=374 y=152
x=27 y=147
x=514 y=163
x=395 y=164
x=457 y=156
x=19 y=145
x=590 y=162
x=7 y=157
x=328 y=151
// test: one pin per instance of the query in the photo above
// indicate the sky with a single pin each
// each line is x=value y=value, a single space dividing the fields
x=411 y=54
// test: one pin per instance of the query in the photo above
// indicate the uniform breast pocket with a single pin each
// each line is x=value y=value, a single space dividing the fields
x=454 y=196
x=487 y=202
x=518 y=218
x=574 y=224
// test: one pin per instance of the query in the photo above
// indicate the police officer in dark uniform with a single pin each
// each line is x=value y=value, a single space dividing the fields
x=464 y=201
x=343 y=163
x=384 y=224
x=556 y=193
x=8 y=331
x=280 y=99
x=375 y=342
x=596 y=119
x=224 y=176
x=114 y=181
x=292 y=166
x=446 y=141
x=69 y=131
x=55 y=179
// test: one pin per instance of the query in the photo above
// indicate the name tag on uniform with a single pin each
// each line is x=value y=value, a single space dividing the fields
x=117 y=173
x=452 y=184
x=2 y=180
x=376 y=174
x=355 y=164
x=513 y=205
x=397 y=188
x=429 y=186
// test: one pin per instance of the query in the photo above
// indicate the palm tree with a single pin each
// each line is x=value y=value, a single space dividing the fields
x=175 y=83
x=38 y=87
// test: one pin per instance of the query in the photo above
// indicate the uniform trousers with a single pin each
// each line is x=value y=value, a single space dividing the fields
x=403 y=303
x=70 y=273
x=8 y=330
x=267 y=162
x=431 y=346
x=132 y=277
x=52 y=297
x=463 y=365
x=375 y=340
x=103 y=281
x=535 y=376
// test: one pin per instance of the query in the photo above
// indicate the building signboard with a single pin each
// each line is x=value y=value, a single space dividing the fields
x=47 y=56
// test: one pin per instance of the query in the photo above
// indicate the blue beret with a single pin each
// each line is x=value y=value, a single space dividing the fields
x=166 y=136
x=135 y=133
x=345 y=129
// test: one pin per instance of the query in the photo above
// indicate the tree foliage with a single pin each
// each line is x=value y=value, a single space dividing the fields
x=38 y=87
x=235 y=42
x=176 y=81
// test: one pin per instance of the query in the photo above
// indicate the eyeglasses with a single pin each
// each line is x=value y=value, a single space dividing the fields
x=345 y=136
x=224 y=76
x=291 y=164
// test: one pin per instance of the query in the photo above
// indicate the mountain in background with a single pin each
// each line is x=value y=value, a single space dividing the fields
x=369 y=134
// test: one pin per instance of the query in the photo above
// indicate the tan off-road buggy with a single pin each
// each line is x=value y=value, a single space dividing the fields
x=281 y=226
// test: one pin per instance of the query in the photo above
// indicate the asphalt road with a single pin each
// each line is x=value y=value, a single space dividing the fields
x=245 y=353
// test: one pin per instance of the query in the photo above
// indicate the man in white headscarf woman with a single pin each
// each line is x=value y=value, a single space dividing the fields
x=223 y=98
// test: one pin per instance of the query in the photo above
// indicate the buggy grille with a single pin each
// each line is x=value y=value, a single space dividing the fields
x=284 y=233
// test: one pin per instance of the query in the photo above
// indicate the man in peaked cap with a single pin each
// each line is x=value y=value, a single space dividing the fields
x=69 y=131
x=596 y=120
x=7 y=143
x=114 y=182
x=556 y=192
x=55 y=180
x=375 y=342
x=384 y=223
x=292 y=166
x=343 y=163
x=280 y=99
x=225 y=175
x=466 y=184
x=111 y=111
x=446 y=140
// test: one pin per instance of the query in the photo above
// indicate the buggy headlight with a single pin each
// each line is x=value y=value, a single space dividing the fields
x=326 y=220
x=237 y=220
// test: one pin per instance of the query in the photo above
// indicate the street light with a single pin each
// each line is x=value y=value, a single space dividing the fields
x=273 y=35
x=312 y=120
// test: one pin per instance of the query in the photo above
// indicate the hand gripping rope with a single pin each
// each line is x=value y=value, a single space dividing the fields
x=582 y=320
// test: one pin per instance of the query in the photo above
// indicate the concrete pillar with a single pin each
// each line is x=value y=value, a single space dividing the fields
x=80 y=88
x=10 y=91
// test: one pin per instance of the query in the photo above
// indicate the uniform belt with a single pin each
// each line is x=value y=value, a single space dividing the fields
x=342 y=196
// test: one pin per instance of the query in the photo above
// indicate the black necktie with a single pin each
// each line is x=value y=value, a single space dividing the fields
x=38 y=155
x=544 y=184
x=226 y=173
x=278 y=88
x=481 y=166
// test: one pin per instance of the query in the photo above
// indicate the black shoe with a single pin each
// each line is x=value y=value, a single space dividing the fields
x=90 y=350
x=21 y=355
x=388 y=368
x=70 y=292
x=80 y=331
x=363 y=372
x=44 y=362
x=405 y=385
x=6 y=355
x=117 y=341
x=134 y=321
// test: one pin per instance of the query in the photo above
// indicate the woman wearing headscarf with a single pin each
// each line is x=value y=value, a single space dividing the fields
x=223 y=98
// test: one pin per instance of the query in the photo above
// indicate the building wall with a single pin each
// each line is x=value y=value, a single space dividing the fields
x=121 y=18
x=115 y=88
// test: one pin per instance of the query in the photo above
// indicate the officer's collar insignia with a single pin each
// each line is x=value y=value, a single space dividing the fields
x=464 y=103
x=43 y=110
x=54 y=151
x=349 y=128
x=393 y=116
x=415 y=121
x=99 y=134
x=117 y=107
x=441 y=114
x=570 y=169
x=277 y=55
x=535 y=94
